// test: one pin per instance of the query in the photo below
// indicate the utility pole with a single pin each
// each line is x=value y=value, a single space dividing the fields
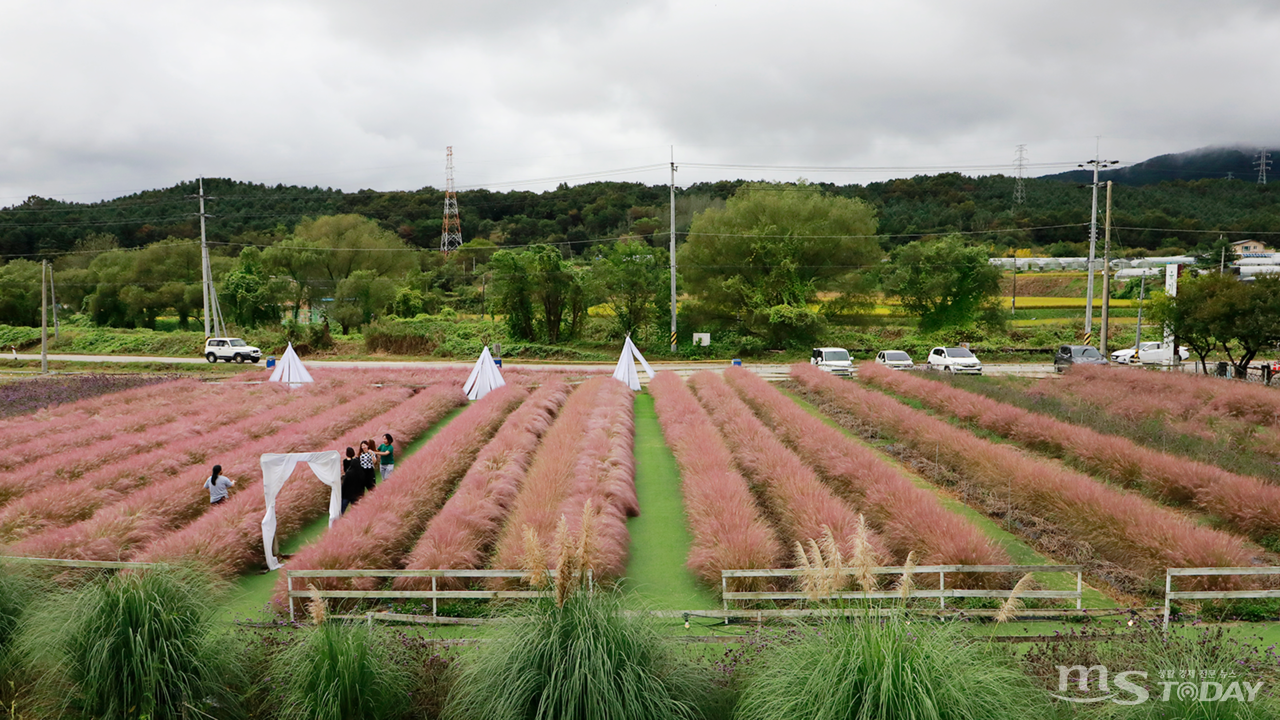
x=1020 y=163
x=53 y=300
x=1264 y=164
x=44 y=319
x=1013 y=306
x=1093 y=239
x=1106 y=275
x=1142 y=295
x=673 y=248
x=205 y=279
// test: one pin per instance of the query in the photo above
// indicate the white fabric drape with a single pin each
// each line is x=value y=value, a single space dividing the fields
x=484 y=377
x=276 y=469
x=289 y=369
x=625 y=372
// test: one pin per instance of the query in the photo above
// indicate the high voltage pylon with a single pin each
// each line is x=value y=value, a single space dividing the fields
x=1020 y=163
x=1264 y=164
x=451 y=232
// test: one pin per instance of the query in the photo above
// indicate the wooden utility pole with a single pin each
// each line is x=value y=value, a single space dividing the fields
x=44 y=317
x=1106 y=274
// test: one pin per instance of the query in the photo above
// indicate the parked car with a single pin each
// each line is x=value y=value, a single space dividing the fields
x=1146 y=353
x=896 y=359
x=954 y=360
x=228 y=349
x=833 y=360
x=1069 y=355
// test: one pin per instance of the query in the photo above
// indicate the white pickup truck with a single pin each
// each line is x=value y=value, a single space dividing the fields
x=1148 y=353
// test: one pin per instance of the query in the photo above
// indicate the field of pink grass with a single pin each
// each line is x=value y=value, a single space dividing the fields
x=379 y=530
x=94 y=418
x=118 y=531
x=910 y=519
x=799 y=504
x=228 y=539
x=1124 y=528
x=1245 y=504
x=67 y=503
x=729 y=532
x=462 y=534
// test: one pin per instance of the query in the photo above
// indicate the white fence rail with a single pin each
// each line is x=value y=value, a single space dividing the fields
x=1170 y=594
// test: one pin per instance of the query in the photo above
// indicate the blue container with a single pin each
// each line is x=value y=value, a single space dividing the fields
x=737 y=362
x=497 y=361
x=271 y=361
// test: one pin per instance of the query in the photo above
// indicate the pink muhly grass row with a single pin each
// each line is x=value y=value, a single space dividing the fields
x=801 y=505
x=95 y=418
x=228 y=539
x=549 y=478
x=1246 y=504
x=729 y=533
x=379 y=530
x=464 y=531
x=1124 y=528
x=909 y=518
x=71 y=502
x=604 y=476
x=1180 y=396
x=118 y=531
x=220 y=405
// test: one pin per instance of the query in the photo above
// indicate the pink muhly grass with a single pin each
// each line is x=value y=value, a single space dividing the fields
x=117 y=531
x=461 y=535
x=801 y=505
x=549 y=478
x=909 y=518
x=729 y=533
x=1124 y=528
x=1178 y=396
x=228 y=539
x=1246 y=504
x=64 y=504
x=380 y=529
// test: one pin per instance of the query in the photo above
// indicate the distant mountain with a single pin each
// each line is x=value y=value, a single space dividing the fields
x=1215 y=163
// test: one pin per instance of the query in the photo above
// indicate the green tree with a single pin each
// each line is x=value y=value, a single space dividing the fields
x=943 y=282
x=1216 y=310
x=360 y=298
x=513 y=292
x=20 y=293
x=631 y=278
x=776 y=245
x=249 y=297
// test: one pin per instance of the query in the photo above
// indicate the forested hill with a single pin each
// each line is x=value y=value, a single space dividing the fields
x=1211 y=163
x=1178 y=215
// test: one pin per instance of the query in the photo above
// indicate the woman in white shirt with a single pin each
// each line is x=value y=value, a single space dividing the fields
x=218 y=485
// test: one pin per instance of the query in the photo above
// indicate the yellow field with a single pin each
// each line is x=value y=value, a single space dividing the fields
x=1062 y=303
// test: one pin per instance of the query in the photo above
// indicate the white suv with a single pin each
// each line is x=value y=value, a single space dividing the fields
x=833 y=360
x=954 y=360
x=228 y=349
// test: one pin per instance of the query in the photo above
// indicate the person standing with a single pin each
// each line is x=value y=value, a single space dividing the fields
x=386 y=453
x=352 y=482
x=368 y=463
x=218 y=485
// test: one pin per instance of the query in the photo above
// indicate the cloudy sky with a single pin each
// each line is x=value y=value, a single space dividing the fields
x=100 y=99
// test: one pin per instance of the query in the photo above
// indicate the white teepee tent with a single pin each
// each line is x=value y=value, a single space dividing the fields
x=625 y=372
x=290 y=369
x=484 y=377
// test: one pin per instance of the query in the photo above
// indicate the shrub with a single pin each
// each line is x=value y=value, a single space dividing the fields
x=18 y=590
x=583 y=660
x=889 y=668
x=228 y=539
x=909 y=518
x=141 y=644
x=27 y=396
x=380 y=529
x=728 y=530
x=1246 y=504
x=800 y=505
x=464 y=531
x=1123 y=528
x=76 y=416
x=337 y=671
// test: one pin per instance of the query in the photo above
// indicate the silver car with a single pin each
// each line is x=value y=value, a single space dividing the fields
x=896 y=359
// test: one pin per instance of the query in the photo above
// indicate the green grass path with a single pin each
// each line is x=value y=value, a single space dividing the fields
x=660 y=541
x=252 y=592
x=1019 y=552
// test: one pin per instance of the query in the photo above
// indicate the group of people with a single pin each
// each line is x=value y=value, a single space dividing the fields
x=360 y=470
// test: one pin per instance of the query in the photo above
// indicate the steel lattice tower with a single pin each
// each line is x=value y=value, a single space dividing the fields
x=451 y=232
x=1020 y=162
x=1264 y=164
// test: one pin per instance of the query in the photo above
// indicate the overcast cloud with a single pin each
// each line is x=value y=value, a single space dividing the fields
x=100 y=99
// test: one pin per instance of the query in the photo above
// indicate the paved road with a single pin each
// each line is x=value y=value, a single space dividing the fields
x=681 y=368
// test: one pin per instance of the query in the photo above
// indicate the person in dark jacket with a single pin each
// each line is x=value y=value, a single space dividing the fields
x=352 y=480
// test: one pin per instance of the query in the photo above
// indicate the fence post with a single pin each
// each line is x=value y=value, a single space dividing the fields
x=434 y=598
x=1080 y=589
x=724 y=588
x=942 y=585
x=289 y=579
x=1168 y=587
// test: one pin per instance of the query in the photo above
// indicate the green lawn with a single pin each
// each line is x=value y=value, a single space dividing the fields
x=660 y=541
x=251 y=593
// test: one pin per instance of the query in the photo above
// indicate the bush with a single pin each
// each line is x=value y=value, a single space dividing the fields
x=143 y=644
x=583 y=660
x=341 y=671
x=889 y=669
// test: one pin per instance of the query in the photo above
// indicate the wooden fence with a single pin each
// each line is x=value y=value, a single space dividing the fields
x=1170 y=594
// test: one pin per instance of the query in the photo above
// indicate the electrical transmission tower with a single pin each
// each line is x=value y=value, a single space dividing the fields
x=1264 y=164
x=451 y=233
x=1020 y=163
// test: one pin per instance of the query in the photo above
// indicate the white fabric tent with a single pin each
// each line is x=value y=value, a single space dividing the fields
x=484 y=377
x=625 y=372
x=290 y=369
x=276 y=469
